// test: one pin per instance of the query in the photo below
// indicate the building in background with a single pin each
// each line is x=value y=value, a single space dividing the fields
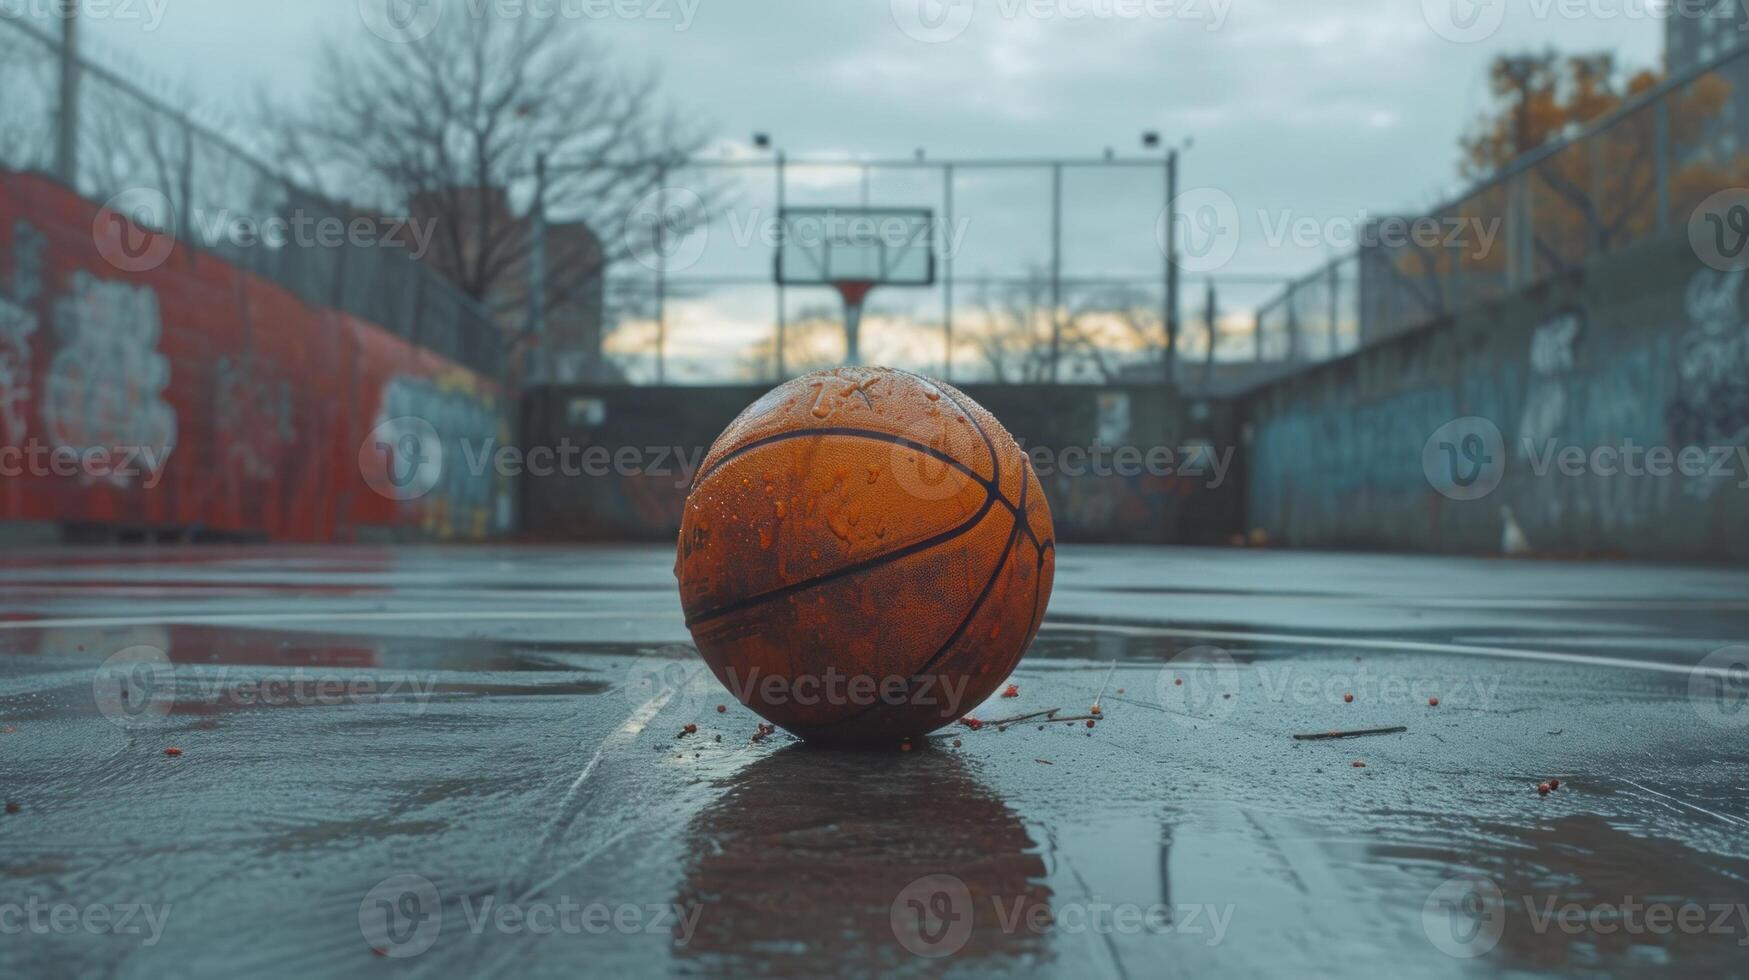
x=489 y=235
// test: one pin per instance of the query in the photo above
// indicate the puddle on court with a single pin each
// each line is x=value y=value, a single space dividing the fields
x=864 y=847
x=285 y=649
x=801 y=843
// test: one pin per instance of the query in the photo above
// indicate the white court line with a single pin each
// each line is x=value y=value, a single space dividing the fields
x=1400 y=646
x=1727 y=819
x=567 y=815
x=247 y=619
x=1435 y=602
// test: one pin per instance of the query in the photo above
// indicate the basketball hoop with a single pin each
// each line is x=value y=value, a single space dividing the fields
x=854 y=292
x=853 y=250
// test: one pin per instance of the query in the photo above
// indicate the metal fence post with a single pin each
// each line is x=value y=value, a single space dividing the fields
x=1594 y=213
x=1293 y=323
x=662 y=274
x=1661 y=161
x=67 y=115
x=1455 y=303
x=537 y=275
x=782 y=312
x=1169 y=316
x=947 y=272
x=185 y=220
x=1335 y=300
x=1516 y=219
x=1056 y=267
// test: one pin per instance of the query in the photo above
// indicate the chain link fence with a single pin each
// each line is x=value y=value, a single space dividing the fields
x=1046 y=270
x=1642 y=172
x=172 y=174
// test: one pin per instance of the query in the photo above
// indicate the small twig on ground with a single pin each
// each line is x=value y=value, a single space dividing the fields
x=1054 y=719
x=1100 y=697
x=1000 y=722
x=1356 y=733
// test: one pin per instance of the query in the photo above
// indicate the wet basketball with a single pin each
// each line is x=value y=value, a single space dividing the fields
x=865 y=554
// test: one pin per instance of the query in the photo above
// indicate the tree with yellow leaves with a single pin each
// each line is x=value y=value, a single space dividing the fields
x=1588 y=197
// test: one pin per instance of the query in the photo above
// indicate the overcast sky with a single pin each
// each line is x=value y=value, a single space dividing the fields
x=1329 y=107
x=1321 y=109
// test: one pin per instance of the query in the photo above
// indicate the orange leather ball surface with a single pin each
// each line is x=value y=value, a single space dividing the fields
x=865 y=555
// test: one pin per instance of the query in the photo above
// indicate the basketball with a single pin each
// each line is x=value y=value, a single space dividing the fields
x=864 y=555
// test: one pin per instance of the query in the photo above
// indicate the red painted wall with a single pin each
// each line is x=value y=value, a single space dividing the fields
x=256 y=403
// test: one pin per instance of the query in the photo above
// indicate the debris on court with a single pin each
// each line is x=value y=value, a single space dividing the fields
x=1102 y=686
x=1012 y=691
x=1003 y=723
x=12 y=807
x=172 y=751
x=1355 y=733
x=688 y=730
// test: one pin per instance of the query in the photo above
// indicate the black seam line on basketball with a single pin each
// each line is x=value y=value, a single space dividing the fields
x=995 y=461
x=867 y=563
x=966 y=621
x=1038 y=579
x=850 y=432
x=990 y=584
x=989 y=486
x=1007 y=551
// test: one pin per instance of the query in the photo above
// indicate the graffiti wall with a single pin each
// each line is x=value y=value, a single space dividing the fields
x=1601 y=416
x=184 y=395
x=1118 y=464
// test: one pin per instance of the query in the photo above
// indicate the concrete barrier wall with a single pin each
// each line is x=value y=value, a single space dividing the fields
x=148 y=386
x=1571 y=389
x=1112 y=460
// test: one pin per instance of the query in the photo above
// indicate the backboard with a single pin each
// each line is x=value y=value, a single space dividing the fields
x=879 y=246
x=853 y=250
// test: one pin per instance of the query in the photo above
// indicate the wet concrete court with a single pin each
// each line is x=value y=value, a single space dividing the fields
x=470 y=762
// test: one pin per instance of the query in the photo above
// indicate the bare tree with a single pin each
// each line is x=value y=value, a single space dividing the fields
x=1016 y=316
x=812 y=340
x=26 y=112
x=1115 y=330
x=448 y=130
